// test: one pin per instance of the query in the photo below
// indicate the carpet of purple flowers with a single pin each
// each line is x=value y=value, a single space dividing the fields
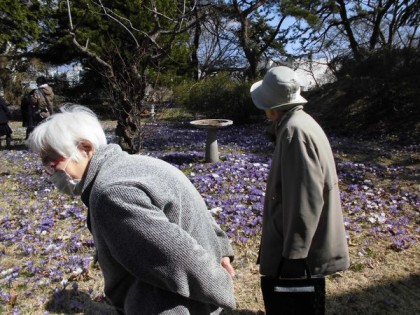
x=46 y=252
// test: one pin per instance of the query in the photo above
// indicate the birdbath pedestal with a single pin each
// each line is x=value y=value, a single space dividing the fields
x=211 y=125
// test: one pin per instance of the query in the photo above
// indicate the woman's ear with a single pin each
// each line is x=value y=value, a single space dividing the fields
x=87 y=147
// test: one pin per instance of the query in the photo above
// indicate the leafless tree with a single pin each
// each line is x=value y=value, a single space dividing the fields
x=126 y=74
x=363 y=26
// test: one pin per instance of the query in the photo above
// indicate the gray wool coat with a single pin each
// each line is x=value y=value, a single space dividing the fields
x=302 y=211
x=158 y=247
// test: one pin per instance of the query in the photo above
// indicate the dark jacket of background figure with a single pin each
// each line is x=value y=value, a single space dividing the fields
x=4 y=111
x=26 y=110
x=5 y=129
x=42 y=102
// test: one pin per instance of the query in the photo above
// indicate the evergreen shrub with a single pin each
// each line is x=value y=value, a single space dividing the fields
x=218 y=96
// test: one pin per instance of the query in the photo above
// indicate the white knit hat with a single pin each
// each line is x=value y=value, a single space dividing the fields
x=279 y=89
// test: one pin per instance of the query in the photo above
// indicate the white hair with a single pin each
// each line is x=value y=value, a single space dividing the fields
x=61 y=133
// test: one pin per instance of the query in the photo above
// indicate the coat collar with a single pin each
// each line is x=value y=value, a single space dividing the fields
x=101 y=155
x=289 y=113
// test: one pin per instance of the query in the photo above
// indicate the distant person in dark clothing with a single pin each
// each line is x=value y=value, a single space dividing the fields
x=37 y=105
x=27 y=115
x=5 y=129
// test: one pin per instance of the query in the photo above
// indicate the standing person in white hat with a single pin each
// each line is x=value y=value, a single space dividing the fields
x=302 y=218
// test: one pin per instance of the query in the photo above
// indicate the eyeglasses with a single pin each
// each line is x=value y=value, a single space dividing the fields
x=50 y=166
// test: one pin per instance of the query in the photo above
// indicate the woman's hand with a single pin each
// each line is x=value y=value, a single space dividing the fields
x=226 y=264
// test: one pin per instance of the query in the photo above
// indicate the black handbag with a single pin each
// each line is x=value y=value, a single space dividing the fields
x=290 y=296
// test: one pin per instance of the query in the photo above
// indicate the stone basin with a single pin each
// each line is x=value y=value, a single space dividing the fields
x=211 y=125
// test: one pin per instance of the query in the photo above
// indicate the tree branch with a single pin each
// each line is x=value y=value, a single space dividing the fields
x=84 y=49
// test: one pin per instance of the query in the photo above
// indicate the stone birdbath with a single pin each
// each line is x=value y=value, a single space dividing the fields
x=211 y=125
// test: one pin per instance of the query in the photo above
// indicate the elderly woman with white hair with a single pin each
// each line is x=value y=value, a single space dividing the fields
x=158 y=247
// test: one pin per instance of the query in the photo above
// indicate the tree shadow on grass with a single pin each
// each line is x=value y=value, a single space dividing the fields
x=243 y=312
x=17 y=147
x=17 y=144
x=401 y=297
x=70 y=301
x=182 y=158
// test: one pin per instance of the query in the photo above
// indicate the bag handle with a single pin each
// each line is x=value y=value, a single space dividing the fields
x=308 y=271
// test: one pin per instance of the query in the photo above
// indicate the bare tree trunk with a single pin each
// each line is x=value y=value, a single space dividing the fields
x=196 y=42
x=347 y=26
x=128 y=129
x=128 y=90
